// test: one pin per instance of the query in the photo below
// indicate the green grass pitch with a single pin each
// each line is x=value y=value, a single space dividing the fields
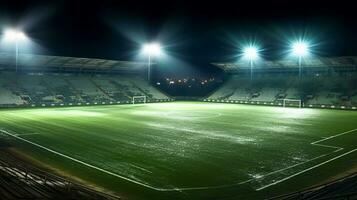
x=189 y=150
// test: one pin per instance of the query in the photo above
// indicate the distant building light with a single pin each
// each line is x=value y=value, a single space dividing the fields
x=158 y=83
x=172 y=82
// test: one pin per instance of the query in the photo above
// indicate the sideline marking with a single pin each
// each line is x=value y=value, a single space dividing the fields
x=315 y=166
x=308 y=169
x=208 y=187
x=114 y=174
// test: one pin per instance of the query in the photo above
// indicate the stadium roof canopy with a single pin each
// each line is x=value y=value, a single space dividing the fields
x=343 y=63
x=48 y=63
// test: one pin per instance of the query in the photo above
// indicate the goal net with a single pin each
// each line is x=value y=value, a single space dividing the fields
x=292 y=103
x=138 y=99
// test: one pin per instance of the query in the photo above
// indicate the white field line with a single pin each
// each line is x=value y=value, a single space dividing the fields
x=333 y=136
x=292 y=166
x=295 y=165
x=329 y=146
x=208 y=187
x=308 y=169
x=315 y=166
x=116 y=175
x=78 y=161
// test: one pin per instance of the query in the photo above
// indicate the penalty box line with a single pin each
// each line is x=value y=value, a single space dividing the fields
x=199 y=188
x=318 y=165
x=16 y=136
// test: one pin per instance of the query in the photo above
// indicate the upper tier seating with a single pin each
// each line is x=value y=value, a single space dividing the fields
x=21 y=89
x=313 y=90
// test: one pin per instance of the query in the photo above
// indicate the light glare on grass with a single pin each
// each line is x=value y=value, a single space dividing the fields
x=288 y=113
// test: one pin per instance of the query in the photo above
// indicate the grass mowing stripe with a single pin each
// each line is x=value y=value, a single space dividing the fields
x=189 y=148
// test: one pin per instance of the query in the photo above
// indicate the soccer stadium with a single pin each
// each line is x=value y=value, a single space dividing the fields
x=100 y=128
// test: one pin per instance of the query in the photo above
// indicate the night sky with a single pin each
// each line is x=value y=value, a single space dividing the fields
x=194 y=33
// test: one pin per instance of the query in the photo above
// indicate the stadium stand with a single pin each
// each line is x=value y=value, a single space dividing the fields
x=325 y=82
x=8 y=98
x=20 y=180
x=72 y=81
x=341 y=189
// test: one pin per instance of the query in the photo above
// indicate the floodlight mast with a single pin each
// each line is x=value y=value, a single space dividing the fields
x=251 y=70
x=16 y=36
x=300 y=49
x=251 y=53
x=17 y=55
x=151 y=49
x=300 y=68
x=149 y=68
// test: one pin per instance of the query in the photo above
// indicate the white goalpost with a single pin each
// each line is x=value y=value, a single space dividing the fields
x=292 y=102
x=138 y=99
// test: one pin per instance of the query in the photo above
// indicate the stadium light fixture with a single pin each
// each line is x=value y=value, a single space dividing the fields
x=251 y=53
x=300 y=49
x=15 y=36
x=151 y=49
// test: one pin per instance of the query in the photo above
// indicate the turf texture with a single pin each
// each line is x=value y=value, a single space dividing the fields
x=189 y=150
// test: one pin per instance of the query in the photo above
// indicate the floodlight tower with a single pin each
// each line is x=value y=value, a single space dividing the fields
x=300 y=49
x=251 y=54
x=15 y=36
x=151 y=50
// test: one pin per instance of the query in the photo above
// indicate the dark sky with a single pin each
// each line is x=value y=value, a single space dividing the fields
x=193 y=32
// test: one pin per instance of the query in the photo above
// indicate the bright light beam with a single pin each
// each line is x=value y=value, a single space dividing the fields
x=152 y=49
x=300 y=48
x=250 y=53
x=13 y=35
